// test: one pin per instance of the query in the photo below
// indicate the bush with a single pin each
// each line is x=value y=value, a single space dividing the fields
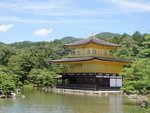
x=7 y=82
x=42 y=77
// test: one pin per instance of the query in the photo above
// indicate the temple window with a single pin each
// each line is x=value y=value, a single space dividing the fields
x=78 y=52
x=88 y=51
x=73 y=53
x=94 y=51
x=106 y=53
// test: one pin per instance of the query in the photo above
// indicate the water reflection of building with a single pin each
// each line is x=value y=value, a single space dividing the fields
x=91 y=66
x=115 y=104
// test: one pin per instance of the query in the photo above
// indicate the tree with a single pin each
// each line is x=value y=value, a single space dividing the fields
x=138 y=37
x=137 y=77
x=48 y=79
x=21 y=64
x=128 y=50
x=145 y=49
x=5 y=53
x=8 y=81
x=42 y=77
x=116 y=40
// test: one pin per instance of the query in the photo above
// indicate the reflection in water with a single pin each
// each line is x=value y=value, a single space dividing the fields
x=115 y=104
x=37 y=101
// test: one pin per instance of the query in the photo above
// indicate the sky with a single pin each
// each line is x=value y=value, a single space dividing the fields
x=46 y=20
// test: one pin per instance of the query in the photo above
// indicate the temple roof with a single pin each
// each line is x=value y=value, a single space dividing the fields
x=88 y=59
x=93 y=40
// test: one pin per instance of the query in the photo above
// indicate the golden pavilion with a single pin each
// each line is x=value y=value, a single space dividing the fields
x=91 y=66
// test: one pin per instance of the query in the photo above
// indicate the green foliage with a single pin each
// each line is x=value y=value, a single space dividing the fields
x=5 y=53
x=21 y=64
x=69 y=39
x=8 y=81
x=42 y=77
x=137 y=49
x=138 y=37
x=128 y=88
x=145 y=49
x=137 y=76
x=36 y=57
x=104 y=35
x=140 y=110
x=36 y=76
x=28 y=62
x=48 y=79
x=22 y=45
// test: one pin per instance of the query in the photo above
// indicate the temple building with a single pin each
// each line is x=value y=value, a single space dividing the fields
x=91 y=66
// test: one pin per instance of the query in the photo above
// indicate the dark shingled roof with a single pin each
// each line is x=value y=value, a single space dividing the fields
x=93 y=40
x=88 y=59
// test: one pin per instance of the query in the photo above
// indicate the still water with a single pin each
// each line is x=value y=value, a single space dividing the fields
x=37 y=101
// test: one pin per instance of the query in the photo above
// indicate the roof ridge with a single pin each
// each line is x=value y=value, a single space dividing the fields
x=87 y=58
x=92 y=40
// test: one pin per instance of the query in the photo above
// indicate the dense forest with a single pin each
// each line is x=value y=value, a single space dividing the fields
x=28 y=62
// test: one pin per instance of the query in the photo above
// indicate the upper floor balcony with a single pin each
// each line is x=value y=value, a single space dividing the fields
x=80 y=52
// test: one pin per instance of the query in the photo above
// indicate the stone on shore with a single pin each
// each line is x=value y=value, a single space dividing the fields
x=138 y=97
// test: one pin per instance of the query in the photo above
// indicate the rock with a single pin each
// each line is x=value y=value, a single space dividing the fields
x=143 y=98
x=138 y=97
x=144 y=104
x=23 y=96
x=13 y=95
x=3 y=96
x=134 y=96
x=18 y=90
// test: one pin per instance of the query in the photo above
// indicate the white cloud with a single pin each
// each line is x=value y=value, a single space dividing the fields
x=5 y=27
x=51 y=8
x=43 y=32
x=33 y=6
x=133 y=5
x=59 y=20
x=75 y=12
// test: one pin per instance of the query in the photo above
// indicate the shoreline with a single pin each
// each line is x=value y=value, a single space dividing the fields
x=86 y=92
x=136 y=97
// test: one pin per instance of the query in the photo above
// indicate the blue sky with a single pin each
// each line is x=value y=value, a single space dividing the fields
x=45 y=20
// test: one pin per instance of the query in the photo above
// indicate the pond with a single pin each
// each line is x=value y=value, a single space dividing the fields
x=37 y=101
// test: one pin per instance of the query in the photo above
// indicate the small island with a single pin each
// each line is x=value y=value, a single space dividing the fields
x=91 y=66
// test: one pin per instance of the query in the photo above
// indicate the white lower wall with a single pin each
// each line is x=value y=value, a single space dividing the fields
x=115 y=82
